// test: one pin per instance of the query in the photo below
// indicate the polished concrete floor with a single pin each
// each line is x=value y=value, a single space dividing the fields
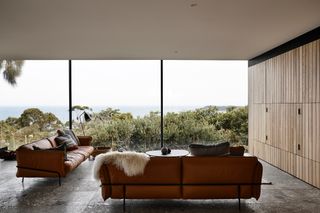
x=80 y=193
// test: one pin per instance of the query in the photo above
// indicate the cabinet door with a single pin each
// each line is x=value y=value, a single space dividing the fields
x=310 y=146
x=310 y=55
x=284 y=78
x=259 y=122
x=258 y=83
x=283 y=126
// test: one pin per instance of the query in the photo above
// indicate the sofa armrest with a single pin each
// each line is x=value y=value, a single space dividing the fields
x=46 y=160
x=85 y=140
x=257 y=178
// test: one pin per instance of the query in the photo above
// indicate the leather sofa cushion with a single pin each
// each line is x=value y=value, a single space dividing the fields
x=74 y=160
x=84 y=150
x=158 y=170
x=42 y=144
x=62 y=147
x=218 y=169
x=76 y=157
x=52 y=141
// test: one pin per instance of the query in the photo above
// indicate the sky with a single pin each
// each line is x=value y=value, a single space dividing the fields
x=129 y=83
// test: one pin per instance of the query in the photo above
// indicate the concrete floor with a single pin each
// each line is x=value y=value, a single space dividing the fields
x=80 y=193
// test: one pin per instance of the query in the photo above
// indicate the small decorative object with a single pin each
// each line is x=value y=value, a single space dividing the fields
x=165 y=150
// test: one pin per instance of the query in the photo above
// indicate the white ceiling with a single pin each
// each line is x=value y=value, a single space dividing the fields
x=150 y=29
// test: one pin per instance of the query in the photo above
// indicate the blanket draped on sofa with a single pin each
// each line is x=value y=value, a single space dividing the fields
x=132 y=163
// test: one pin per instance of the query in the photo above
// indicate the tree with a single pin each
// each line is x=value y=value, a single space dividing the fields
x=51 y=121
x=11 y=70
x=32 y=116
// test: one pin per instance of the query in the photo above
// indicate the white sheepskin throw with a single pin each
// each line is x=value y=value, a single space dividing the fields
x=132 y=163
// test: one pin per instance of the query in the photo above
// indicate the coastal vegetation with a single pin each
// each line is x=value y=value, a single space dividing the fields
x=111 y=127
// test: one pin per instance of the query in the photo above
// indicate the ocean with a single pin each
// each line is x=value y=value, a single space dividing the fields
x=62 y=111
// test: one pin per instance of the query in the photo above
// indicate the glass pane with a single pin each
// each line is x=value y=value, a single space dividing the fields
x=37 y=105
x=123 y=98
x=198 y=96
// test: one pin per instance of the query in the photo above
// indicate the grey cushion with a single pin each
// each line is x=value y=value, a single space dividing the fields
x=64 y=138
x=220 y=149
x=73 y=136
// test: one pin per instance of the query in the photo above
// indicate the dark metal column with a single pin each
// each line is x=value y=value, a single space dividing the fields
x=70 y=94
x=161 y=98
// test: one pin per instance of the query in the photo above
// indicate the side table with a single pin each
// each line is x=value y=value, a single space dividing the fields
x=174 y=153
x=99 y=150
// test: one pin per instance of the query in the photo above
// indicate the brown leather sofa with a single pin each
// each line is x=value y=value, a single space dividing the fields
x=188 y=177
x=49 y=163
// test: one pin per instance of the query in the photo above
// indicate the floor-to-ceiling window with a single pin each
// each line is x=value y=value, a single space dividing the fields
x=204 y=102
x=118 y=102
x=36 y=105
x=123 y=99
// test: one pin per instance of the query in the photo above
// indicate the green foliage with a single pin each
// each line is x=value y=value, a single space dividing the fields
x=32 y=125
x=204 y=125
x=110 y=127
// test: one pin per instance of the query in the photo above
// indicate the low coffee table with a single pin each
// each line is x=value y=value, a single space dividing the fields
x=99 y=150
x=174 y=153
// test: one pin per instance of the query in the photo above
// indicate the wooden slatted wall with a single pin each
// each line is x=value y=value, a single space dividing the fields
x=284 y=112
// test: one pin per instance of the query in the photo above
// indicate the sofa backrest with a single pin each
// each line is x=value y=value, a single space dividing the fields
x=218 y=169
x=45 y=143
x=186 y=177
x=221 y=170
x=157 y=171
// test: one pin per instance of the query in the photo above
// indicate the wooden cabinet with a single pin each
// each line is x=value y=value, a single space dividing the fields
x=284 y=115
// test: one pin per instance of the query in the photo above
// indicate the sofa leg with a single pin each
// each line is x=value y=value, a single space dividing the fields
x=124 y=205
x=22 y=180
x=124 y=199
x=59 y=180
x=239 y=201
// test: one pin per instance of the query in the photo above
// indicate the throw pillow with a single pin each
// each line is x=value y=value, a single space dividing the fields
x=73 y=136
x=62 y=147
x=237 y=151
x=220 y=149
x=64 y=138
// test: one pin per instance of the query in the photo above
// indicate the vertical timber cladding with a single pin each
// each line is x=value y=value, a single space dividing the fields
x=284 y=111
x=256 y=105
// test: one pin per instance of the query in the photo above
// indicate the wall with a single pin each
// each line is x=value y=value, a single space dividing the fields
x=284 y=111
